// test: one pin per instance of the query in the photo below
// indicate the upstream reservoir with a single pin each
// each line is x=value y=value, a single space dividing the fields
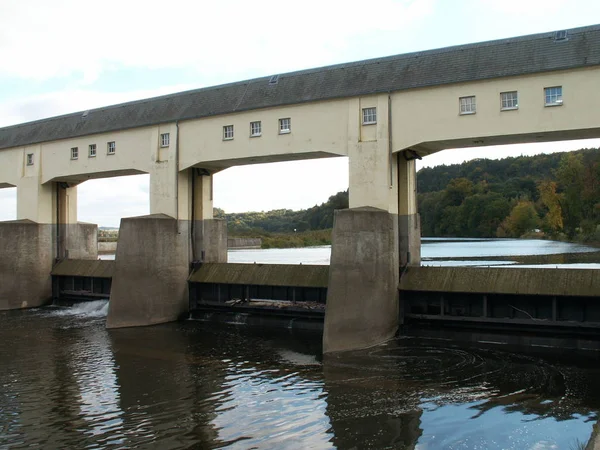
x=67 y=382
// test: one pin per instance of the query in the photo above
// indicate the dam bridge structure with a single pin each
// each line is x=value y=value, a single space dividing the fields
x=382 y=114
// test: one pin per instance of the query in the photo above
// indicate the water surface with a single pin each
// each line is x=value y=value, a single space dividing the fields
x=67 y=382
x=453 y=252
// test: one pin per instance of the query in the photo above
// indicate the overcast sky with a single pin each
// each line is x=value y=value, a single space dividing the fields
x=62 y=56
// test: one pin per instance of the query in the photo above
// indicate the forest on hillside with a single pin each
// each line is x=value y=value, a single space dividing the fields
x=557 y=194
x=319 y=217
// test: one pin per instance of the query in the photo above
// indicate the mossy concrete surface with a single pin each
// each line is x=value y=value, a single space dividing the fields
x=521 y=281
x=262 y=274
x=151 y=268
x=26 y=261
x=84 y=268
x=362 y=296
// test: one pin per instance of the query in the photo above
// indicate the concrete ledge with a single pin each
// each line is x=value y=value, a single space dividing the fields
x=262 y=274
x=521 y=281
x=244 y=243
x=84 y=268
x=26 y=253
x=362 y=297
x=149 y=285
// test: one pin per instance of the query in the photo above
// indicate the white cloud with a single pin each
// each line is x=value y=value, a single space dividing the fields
x=43 y=39
x=106 y=201
x=527 y=7
x=289 y=185
x=229 y=40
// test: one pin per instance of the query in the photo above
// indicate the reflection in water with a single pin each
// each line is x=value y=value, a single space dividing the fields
x=67 y=382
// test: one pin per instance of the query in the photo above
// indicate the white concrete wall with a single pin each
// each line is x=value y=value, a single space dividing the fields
x=429 y=118
x=319 y=129
x=373 y=171
x=136 y=149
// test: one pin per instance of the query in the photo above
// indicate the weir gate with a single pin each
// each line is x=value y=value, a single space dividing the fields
x=526 y=307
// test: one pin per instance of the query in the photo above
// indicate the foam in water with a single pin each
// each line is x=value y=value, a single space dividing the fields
x=97 y=308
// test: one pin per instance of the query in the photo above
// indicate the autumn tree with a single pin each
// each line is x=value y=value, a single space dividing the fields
x=570 y=178
x=553 y=220
x=522 y=218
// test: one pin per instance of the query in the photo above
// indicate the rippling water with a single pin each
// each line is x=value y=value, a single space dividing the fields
x=67 y=382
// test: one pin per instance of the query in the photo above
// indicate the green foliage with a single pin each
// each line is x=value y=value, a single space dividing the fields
x=553 y=220
x=559 y=192
x=319 y=217
x=298 y=239
x=522 y=219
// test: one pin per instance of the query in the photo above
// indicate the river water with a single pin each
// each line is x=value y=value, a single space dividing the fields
x=453 y=252
x=67 y=382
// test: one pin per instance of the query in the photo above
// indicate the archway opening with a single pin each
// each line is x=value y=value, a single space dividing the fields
x=105 y=201
x=534 y=204
x=281 y=205
x=8 y=203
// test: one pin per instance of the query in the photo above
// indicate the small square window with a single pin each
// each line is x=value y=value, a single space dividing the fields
x=467 y=105
x=165 y=140
x=111 y=148
x=74 y=153
x=285 y=125
x=554 y=96
x=228 y=132
x=509 y=100
x=30 y=159
x=255 y=129
x=369 y=116
x=92 y=151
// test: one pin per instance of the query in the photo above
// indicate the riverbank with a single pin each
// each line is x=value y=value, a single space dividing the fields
x=313 y=238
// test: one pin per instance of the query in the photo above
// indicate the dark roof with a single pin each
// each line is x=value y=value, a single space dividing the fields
x=501 y=58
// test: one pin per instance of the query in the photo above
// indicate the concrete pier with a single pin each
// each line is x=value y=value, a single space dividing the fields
x=27 y=255
x=210 y=240
x=362 y=298
x=28 y=251
x=152 y=266
x=409 y=233
x=80 y=240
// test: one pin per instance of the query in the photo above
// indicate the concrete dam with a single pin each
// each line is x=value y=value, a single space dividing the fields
x=382 y=114
x=521 y=307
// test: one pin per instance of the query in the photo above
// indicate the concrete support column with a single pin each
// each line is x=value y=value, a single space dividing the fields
x=46 y=229
x=362 y=297
x=25 y=264
x=74 y=240
x=210 y=235
x=408 y=218
x=152 y=266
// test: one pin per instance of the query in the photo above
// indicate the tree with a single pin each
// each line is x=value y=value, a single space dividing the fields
x=570 y=178
x=457 y=190
x=522 y=218
x=553 y=221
